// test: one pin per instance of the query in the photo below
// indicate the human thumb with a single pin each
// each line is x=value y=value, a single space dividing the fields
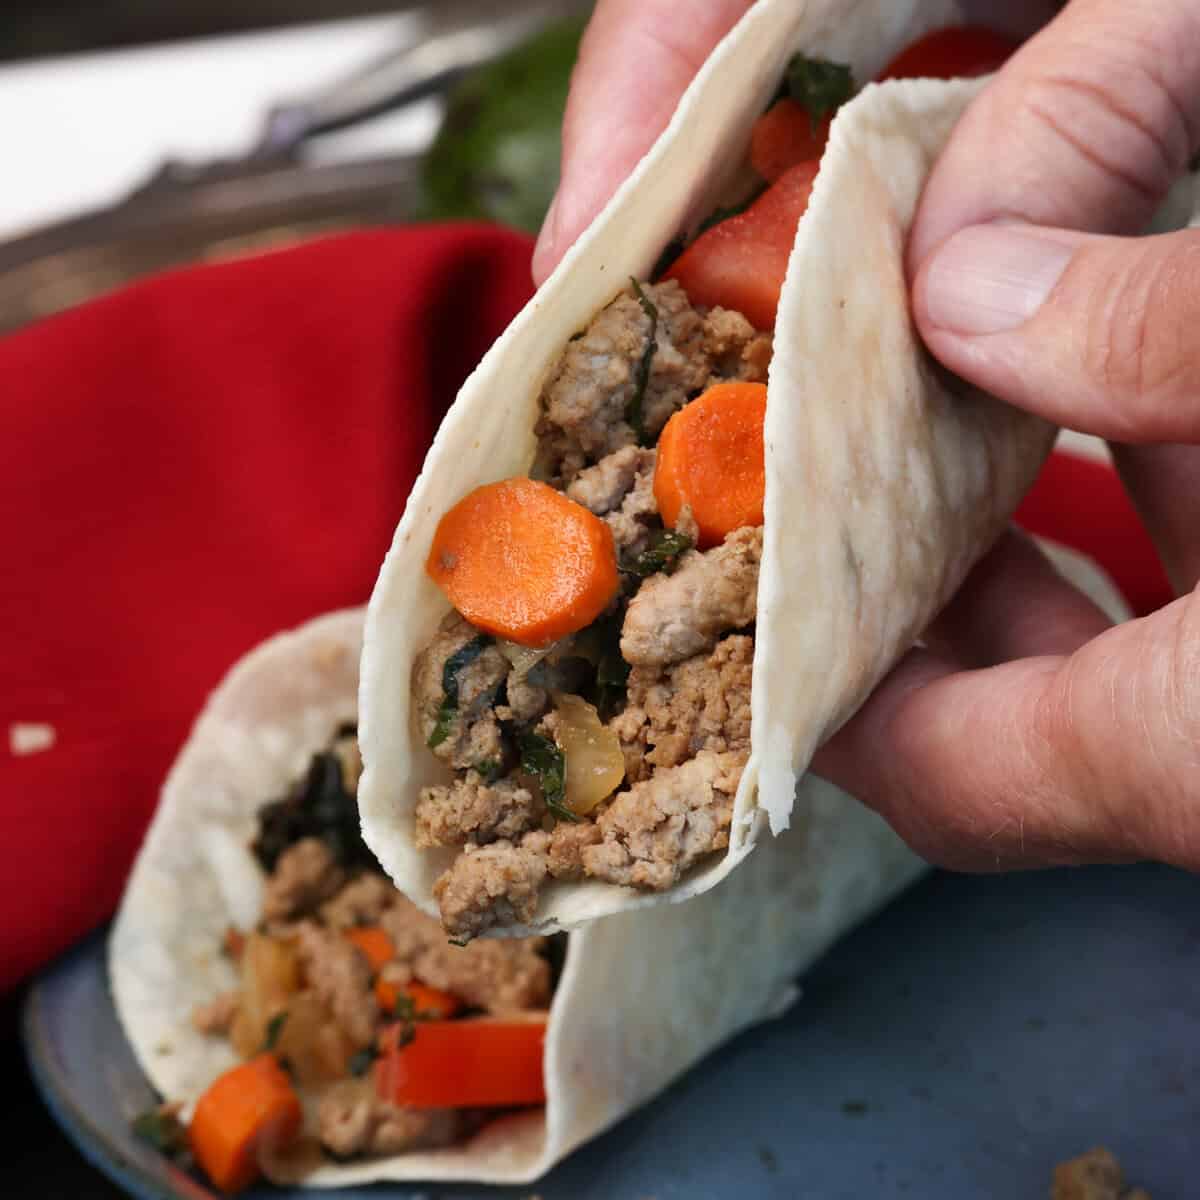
x=1095 y=333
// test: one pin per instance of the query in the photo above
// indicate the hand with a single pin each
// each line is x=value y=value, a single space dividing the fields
x=1029 y=732
x=1084 y=744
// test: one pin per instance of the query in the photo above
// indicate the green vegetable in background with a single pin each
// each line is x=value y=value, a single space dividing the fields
x=497 y=155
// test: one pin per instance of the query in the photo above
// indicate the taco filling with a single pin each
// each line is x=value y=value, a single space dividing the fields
x=590 y=691
x=360 y=1029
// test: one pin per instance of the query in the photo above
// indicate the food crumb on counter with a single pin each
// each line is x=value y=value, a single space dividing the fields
x=30 y=737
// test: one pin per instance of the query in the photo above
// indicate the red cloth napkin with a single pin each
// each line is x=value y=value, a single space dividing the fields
x=211 y=456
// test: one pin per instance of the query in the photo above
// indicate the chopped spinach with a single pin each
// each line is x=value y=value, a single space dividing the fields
x=633 y=411
x=161 y=1128
x=454 y=665
x=359 y=1064
x=671 y=251
x=662 y=555
x=489 y=770
x=568 y=674
x=318 y=805
x=442 y=724
x=274 y=1029
x=542 y=759
x=462 y=658
x=612 y=671
x=819 y=85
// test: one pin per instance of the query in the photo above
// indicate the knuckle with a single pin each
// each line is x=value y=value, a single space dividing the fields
x=1139 y=314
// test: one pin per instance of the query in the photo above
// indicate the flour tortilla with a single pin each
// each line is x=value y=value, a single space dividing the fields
x=691 y=975
x=885 y=480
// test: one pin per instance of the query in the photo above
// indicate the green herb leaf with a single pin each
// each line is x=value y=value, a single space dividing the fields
x=459 y=942
x=489 y=770
x=633 y=411
x=454 y=665
x=662 y=555
x=274 y=1029
x=541 y=758
x=819 y=85
x=359 y=1064
x=443 y=724
x=462 y=658
x=161 y=1128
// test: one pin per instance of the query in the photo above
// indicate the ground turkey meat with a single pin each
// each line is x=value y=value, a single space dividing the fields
x=470 y=810
x=673 y=617
x=661 y=826
x=361 y=902
x=602 y=488
x=305 y=875
x=565 y=846
x=353 y=1120
x=498 y=975
x=633 y=523
x=586 y=402
x=490 y=885
x=735 y=348
x=217 y=1015
x=702 y=703
x=341 y=977
x=474 y=734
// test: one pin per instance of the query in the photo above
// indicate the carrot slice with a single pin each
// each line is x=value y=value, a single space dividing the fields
x=465 y=1064
x=374 y=943
x=248 y=1107
x=524 y=562
x=740 y=262
x=710 y=457
x=784 y=136
x=427 y=1002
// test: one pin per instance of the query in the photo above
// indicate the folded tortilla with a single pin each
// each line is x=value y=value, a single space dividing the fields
x=885 y=478
x=691 y=975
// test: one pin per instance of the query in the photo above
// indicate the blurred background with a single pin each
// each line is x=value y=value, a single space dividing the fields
x=141 y=136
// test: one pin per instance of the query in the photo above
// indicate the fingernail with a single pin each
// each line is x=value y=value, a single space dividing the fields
x=991 y=278
x=543 y=251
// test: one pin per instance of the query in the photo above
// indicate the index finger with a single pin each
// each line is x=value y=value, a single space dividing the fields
x=636 y=61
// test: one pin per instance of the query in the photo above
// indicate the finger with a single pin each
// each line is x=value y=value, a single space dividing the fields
x=636 y=60
x=1164 y=484
x=1085 y=758
x=1085 y=127
x=1095 y=333
x=1014 y=604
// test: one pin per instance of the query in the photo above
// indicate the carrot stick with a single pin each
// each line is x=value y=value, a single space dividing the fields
x=249 y=1107
x=710 y=457
x=374 y=944
x=524 y=562
x=427 y=1002
x=784 y=136
x=465 y=1064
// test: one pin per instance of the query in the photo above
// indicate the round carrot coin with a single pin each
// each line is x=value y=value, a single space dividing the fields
x=522 y=561
x=710 y=457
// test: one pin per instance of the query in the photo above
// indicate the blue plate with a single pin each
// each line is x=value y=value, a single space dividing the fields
x=959 y=1045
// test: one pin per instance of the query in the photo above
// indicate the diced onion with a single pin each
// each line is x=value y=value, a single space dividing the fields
x=524 y=658
x=592 y=759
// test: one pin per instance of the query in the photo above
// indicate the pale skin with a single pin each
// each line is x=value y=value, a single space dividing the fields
x=1030 y=731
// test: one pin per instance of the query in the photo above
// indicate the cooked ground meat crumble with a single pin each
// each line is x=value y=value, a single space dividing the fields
x=667 y=669
x=311 y=990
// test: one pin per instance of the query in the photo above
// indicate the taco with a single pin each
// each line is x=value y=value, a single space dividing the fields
x=297 y=1013
x=684 y=517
